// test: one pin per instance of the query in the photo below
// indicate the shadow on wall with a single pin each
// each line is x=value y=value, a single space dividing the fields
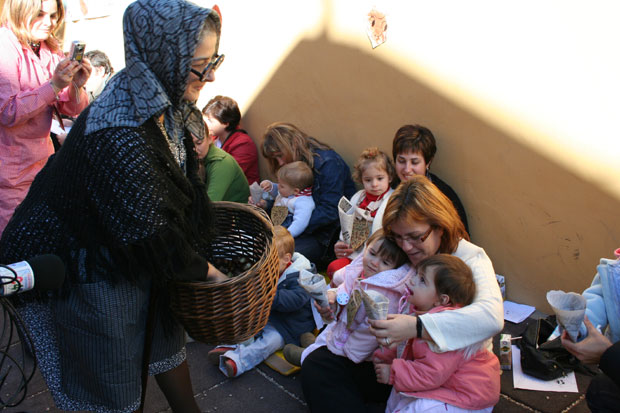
x=543 y=227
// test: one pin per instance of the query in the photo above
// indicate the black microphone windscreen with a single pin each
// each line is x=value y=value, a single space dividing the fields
x=48 y=270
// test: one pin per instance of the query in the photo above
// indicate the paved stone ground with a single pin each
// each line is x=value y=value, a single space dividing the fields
x=265 y=390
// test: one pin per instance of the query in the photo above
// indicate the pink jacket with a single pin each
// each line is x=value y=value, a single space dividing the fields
x=448 y=377
x=358 y=343
x=26 y=98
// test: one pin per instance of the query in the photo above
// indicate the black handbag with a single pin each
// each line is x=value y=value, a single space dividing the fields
x=546 y=360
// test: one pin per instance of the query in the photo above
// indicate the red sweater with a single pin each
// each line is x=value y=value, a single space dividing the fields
x=243 y=149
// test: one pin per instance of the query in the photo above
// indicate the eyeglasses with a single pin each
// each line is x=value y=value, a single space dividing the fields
x=399 y=239
x=213 y=65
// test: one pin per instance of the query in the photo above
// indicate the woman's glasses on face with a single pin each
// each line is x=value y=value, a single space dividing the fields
x=399 y=239
x=213 y=65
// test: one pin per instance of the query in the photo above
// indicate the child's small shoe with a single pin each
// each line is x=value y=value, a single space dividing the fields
x=307 y=339
x=292 y=354
x=213 y=356
x=231 y=368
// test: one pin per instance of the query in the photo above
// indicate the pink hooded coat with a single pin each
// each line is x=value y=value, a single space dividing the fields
x=358 y=344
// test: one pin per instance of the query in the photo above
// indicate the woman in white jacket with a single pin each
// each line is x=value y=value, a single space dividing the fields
x=423 y=222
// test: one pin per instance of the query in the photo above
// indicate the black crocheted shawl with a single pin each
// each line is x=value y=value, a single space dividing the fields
x=115 y=199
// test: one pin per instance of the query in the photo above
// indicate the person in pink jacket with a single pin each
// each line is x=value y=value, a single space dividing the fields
x=424 y=379
x=36 y=82
x=379 y=268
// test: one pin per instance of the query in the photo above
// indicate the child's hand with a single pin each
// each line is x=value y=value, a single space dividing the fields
x=266 y=185
x=383 y=372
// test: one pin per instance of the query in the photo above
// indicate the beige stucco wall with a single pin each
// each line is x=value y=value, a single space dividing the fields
x=522 y=101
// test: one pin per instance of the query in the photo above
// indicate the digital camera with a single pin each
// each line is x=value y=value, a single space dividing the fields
x=77 y=50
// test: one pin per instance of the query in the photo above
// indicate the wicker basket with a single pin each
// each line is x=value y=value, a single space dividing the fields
x=237 y=309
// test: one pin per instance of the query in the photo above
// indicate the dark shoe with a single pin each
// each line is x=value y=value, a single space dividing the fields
x=214 y=355
x=231 y=368
x=307 y=339
x=292 y=354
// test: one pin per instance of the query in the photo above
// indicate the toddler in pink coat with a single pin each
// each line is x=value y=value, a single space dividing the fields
x=465 y=380
x=379 y=268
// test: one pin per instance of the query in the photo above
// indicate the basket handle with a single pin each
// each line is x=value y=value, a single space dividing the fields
x=262 y=214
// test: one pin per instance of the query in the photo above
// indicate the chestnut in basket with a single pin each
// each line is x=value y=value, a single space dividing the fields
x=232 y=267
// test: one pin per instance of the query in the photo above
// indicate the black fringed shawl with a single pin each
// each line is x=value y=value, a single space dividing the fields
x=115 y=199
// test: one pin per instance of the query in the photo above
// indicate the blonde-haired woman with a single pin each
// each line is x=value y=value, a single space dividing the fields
x=423 y=222
x=36 y=82
x=284 y=143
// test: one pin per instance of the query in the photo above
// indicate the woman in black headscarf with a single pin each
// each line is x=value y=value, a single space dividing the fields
x=123 y=206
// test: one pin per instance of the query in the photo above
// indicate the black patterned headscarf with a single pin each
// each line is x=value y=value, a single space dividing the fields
x=160 y=40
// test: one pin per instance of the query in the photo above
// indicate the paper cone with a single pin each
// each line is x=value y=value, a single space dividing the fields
x=315 y=285
x=376 y=305
x=569 y=309
x=257 y=192
x=278 y=214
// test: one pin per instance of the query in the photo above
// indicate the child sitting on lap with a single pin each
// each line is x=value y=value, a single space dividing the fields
x=291 y=314
x=464 y=380
x=294 y=191
x=372 y=270
x=375 y=171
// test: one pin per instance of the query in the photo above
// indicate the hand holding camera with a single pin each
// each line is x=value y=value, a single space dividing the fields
x=76 y=68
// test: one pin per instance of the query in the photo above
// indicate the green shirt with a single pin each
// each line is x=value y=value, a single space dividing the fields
x=225 y=179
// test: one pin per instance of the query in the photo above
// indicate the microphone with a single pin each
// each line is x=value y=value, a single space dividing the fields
x=20 y=277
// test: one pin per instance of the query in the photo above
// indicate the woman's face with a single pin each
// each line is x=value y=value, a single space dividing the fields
x=202 y=146
x=205 y=53
x=409 y=164
x=42 y=25
x=281 y=158
x=417 y=239
x=217 y=129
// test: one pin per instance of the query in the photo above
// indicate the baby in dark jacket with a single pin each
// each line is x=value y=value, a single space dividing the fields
x=291 y=314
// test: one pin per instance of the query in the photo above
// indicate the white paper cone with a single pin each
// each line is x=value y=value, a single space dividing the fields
x=570 y=309
x=257 y=192
x=315 y=285
x=376 y=305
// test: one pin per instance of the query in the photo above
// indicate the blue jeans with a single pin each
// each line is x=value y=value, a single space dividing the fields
x=248 y=356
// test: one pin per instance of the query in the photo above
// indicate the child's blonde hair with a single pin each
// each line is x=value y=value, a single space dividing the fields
x=285 y=243
x=388 y=250
x=296 y=174
x=370 y=156
x=452 y=277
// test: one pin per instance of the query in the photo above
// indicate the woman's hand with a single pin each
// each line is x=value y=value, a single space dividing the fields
x=81 y=75
x=342 y=249
x=215 y=275
x=590 y=349
x=68 y=71
x=383 y=372
x=397 y=328
x=261 y=203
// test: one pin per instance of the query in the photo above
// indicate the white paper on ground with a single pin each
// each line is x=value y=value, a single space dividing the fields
x=521 y=380
x=516 y=313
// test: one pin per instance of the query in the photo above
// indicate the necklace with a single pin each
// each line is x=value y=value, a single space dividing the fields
x=35 y=46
